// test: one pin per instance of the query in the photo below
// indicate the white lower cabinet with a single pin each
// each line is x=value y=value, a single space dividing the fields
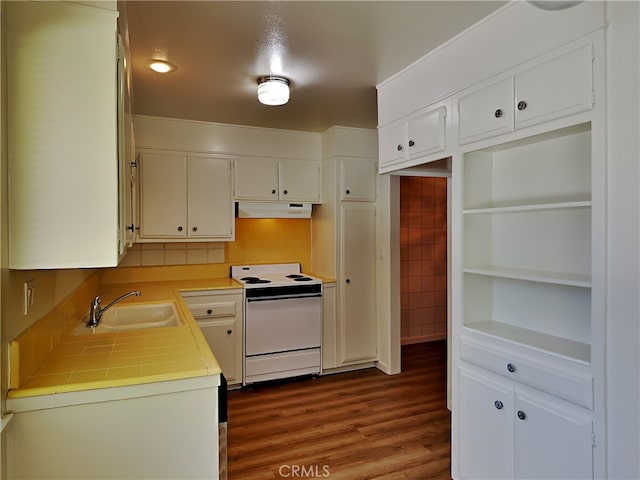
x=507 y=430
x=162 y=430
x=219 y=316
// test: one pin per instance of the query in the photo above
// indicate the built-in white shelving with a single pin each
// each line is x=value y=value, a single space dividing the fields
x=527 y=242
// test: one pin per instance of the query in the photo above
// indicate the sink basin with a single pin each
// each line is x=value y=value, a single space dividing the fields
x=134 y=317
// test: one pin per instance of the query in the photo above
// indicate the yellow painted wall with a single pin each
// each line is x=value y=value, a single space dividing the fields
x=258 y=240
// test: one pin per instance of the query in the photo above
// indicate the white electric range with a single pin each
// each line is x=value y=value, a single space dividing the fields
x=282 y=321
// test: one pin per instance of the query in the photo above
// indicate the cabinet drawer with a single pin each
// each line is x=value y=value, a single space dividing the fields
x=557 y=376
x=214 y=310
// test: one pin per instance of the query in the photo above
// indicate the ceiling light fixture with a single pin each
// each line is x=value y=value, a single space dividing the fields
x=273 y=90
x=159 y=62
x=161 y=66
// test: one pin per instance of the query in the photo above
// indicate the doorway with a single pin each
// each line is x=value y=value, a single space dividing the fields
x=423 y=259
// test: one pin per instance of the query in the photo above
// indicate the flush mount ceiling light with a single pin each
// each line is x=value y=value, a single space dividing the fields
x=159 y=62
x=273 y=90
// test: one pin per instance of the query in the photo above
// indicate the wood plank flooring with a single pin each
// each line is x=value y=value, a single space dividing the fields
x=349 y=426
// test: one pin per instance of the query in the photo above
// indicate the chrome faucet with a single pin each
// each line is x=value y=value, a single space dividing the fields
x=96 y=311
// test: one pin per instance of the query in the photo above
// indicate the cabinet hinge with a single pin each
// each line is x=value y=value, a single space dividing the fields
x=593 y=439
x=593 y=52
x=593 y=98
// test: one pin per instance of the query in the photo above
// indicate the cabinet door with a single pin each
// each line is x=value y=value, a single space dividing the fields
x=210 y=204
x=485 y=433
x=299 y=181
x=222 y=337
x=391 y=144
x=255 y=179
x=358 y=181
x=552 y=440
x=486 y=113
x=163 y=196
x=357 y=336
x=426 y=133
x=557 y=88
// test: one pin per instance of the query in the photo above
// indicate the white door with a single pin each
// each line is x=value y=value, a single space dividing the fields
x=210 y=204
x=255 y=179
x=487 y=112
x=560 y=87
x=552 y=440
x=357 y=336
x=392 y=144
x=299 y=181
x=163 y=195
x=426 y=133
x=358 y=180
x=485 y=427
x=222 y=337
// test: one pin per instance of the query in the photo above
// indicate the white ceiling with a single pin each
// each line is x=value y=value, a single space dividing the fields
x=334 y=53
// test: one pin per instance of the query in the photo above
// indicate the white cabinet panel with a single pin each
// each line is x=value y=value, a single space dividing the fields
x=559 y=87
x=358 y=180
x=210 y=204
x=357 y=320
x=546 y=91
x=299 y=181
x=256 y=179
x=62 y=135
x=273 y=180
x=551 y=442
x=486 y=435
x=410 y=139
x=163 y=192
x=506 y=431
x=219 y=316
x=487 y=112
x=185 y=198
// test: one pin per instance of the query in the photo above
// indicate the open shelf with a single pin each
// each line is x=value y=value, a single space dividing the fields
x=575 y=280
x=548 y=343
x=525 y=206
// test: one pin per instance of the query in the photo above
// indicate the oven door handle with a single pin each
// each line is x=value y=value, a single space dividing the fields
x=266 y=299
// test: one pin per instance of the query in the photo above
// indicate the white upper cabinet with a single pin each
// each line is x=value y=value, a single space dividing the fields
x=556 y=88
x=487 y=112
x=413 y=138
x=358 y=180
x=185 y=198
x=62 y=136
x=277 y=180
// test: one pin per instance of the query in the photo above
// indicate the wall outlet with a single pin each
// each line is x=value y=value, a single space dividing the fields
x=29 y=296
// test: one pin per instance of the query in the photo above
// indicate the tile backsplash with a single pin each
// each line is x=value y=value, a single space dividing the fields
x=183 y=253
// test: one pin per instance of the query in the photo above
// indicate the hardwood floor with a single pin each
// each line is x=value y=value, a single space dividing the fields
x=349 y=426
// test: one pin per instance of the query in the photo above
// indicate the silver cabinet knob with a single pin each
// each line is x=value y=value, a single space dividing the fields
x=498 y=113
x=209 y=311
x=399 y=148
x=273 y=192
x=411 y=143
x=498 y=404
x=180 y=228
x=229 y=332
x=521 y=415
x=522 y=105
x=195 y=229
x=511 y=367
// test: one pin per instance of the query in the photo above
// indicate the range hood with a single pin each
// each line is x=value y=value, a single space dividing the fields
x=273 y=210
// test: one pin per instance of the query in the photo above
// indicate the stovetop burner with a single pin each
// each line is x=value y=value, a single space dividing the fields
x=254 y=280
x=294 y=275
x=302 y=279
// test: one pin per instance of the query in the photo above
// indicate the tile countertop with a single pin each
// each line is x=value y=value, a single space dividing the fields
x=86 y=362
